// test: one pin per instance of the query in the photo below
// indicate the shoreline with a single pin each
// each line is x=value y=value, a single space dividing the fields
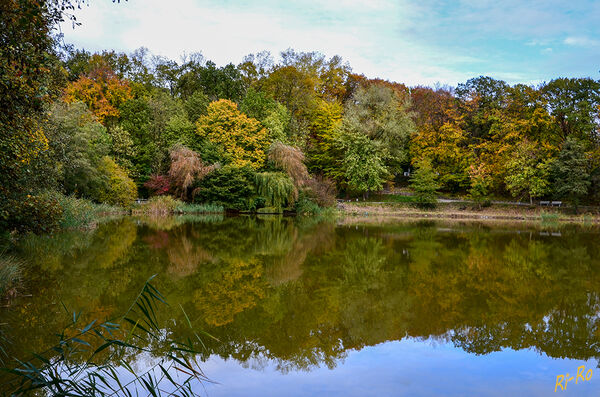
x=400 y=211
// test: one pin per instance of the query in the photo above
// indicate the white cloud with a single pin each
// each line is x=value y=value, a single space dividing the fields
x=416 y=42
x=581 y=41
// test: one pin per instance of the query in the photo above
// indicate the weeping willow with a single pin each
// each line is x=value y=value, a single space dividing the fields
x=277 y=189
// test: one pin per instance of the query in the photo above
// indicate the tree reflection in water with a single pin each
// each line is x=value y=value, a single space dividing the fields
x=301 y=293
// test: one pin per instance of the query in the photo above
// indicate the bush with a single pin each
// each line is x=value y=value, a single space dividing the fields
x=116 y=188
x=424 y=183
x=37 y=214
x=158 y=184
x=231 y=187
x=322 y=191
x=305 y=206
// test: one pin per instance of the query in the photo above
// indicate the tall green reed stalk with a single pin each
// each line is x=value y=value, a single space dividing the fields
x=90 y=360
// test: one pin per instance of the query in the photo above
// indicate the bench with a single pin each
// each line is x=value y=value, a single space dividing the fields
x=546 y=203
x=556 y=203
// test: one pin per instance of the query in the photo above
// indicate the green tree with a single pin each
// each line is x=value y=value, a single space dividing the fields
x=122 y=149
x=216 y=83
x=229 y=186
x=379 y=113
x=26 y=65
x=574 y=105
x=195 y=105
x=323 y=155
x=273 y=115
x=424 y=183
x=479 y=190
x=363 y=162
x=136 y=118
x=116 y=187
x=78 y=142
x=527 y=171
x=571 y=175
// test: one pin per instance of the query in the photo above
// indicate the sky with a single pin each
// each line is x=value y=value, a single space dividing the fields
x=416 y=42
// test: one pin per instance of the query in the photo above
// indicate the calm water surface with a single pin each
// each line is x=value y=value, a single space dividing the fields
x=336 y=309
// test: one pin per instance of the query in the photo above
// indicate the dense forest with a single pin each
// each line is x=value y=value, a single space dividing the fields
x=286 y=132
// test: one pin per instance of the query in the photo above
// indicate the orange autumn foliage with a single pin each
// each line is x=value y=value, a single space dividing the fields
x=102 y=91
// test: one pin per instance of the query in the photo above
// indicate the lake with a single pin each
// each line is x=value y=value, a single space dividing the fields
x=303 y=307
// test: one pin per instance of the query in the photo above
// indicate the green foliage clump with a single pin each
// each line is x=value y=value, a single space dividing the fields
x=527 y=171
x=195 y=106
x=479 y=191
x=363 y=162
x=305 y=205
x=383 y=115
x=37 y=214
x=116 y=187
x=77 y=143
x=76 y=212
x=277 y=189
x=572 y=179
x=229 y=186
x=273 y=115
x=425 y=185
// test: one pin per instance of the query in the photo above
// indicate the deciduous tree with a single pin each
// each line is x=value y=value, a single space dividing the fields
x=244 y=140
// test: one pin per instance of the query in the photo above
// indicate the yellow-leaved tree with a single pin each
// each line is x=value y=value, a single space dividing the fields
x=242 y=139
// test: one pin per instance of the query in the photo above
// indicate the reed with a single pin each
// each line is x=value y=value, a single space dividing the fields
x=91 y=359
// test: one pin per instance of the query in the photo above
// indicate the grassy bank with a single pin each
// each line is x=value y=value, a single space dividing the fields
x=167 y=205
x=467 y=212
x=78 y=213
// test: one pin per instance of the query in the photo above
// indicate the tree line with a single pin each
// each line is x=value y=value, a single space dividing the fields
x=291 y=132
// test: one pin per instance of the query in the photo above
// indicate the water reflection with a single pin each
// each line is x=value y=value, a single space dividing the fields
x=300 y=295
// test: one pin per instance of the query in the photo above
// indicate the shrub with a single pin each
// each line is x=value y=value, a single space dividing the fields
x=306 y=206
x=322 y=191
x=186 y=168
x=229 y=186
x=425 y=185
x=158 y=184
x=116 y=187
x=37 y=214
